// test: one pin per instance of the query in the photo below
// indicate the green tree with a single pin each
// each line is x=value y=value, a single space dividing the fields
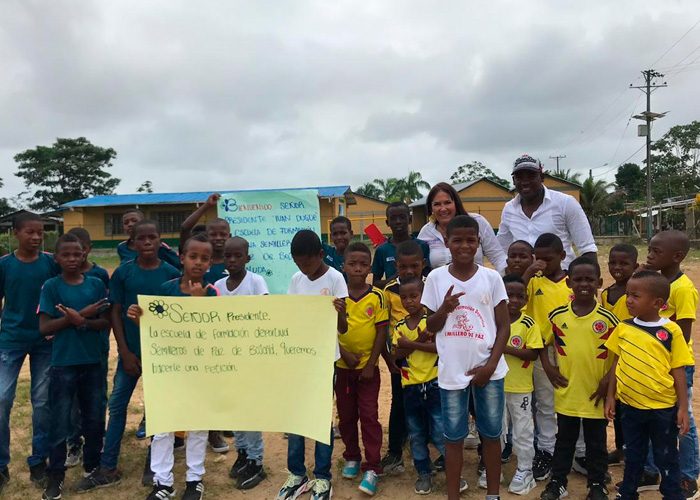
x=369 y=189
x=476 y=170
x=5 y=207
x=596 y=200
x=675 y=167
x=145 y=187
x=567 y=175
x=68 y=170
x=631 y=180
x=391 y=189
x=412 y=184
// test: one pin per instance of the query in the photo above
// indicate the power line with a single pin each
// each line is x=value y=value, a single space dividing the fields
x=675 y=43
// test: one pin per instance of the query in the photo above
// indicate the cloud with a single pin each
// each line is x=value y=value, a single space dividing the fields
x=241 y=95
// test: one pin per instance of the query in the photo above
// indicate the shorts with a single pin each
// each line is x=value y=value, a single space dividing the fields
x=489 y=402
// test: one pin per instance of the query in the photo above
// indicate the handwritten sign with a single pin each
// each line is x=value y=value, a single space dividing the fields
x=249 y=363
x=269 y=220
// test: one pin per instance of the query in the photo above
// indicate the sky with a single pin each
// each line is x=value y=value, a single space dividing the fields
x=268 y=94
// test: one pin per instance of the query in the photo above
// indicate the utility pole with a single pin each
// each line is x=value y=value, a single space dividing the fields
x=557 y=158
x=648 y=116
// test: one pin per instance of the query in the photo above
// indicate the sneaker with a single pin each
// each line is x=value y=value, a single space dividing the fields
x=4 y=478
x=554 y=491
x=439 y=464
x=217 y=443
x=75 y=453
x=506 y=453
x=99 y=478
x=579 y=465
x=351 y=469
x=368 y=485
x=597 y=491
x=471 y=441
x=178 y=443
x=522 y=483
x=161 y=492
x=147 y=475
x=689 y=488
x=482 y=479
x=193 y=491
x=542 y=465
x=463 y=485
x=481 y=467
x=616 y=457
x=293 y=487
x=321 y=489
x=392 y=464
x=141 y=431
x=424 y=485
x=38 y=476
x=54 y=489
x=239 y=465
x=251 y=476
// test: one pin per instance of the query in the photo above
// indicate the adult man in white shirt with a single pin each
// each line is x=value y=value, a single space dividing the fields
x=536 y=210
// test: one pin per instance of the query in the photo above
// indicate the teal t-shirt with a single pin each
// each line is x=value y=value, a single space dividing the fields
x=73 y=346
x=165 y=253
x=20 y=288
x=215 y=273
x=333 y=258
x=130 y=280
x=384 y=263
x=172 y=289
x=101 y=273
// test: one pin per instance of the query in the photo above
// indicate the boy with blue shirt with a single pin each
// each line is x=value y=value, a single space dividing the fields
x=75 y=440
x=142 y=276
x=398 y=218
x=341 y=236
x=127 y=249
x=22 y=273
x=73 y=309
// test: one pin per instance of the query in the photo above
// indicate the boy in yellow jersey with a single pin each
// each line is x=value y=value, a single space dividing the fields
x=520 y=352
x=622 y=263
x=650 y=356
x=357 y=374
x=578 y=331
x=415 y=350
x=410 y=262
x=546 y=290
x=666 y=252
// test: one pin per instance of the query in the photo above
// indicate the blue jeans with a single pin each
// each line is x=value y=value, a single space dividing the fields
x=638 y=428
x=251 y=442
x=76 y=430
x=424 y=422
x=689 y=456
x=11 y=361
x=296 y=450
x=67 y=382
x=124 y=385
x=489 y=402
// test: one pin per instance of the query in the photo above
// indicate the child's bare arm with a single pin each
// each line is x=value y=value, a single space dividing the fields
x=436 y=320
x=191 y=221
x=681 y=387
x=524 y=354
x=49 y=326
x=612 y=390
x=482 y=374
x=340 y=307
x=379 y=343
x=686 y=325
x=131 y=362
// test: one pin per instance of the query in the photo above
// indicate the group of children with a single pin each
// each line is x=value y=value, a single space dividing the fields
x=533 y=355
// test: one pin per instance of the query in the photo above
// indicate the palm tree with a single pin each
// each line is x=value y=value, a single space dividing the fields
x=391 y=189
x=412 y=185
x=568 y=175
x=369 y=189
x=595 y=199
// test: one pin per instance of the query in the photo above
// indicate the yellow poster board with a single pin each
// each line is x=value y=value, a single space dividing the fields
x=248 y=363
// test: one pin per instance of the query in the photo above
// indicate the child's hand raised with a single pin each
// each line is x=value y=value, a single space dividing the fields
x=196 y=289
x=134 y=313
x=538 y=266
x=424 y=336
x=73 y=316
x=450 y=303
x=339 y=305
x=213 y=199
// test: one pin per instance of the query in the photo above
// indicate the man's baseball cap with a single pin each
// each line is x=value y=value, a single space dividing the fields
x=527 y=162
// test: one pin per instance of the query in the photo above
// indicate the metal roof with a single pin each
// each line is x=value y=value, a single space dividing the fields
x=177 y=198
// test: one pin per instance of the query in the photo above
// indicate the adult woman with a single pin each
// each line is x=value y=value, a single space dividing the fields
x=442 y=205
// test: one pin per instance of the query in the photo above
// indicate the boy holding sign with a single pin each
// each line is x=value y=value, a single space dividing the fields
x=314 y=278
x=357 y=375
x=195 y=258
x=248 y=470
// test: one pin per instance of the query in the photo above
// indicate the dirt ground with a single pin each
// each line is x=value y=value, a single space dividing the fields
x=217 y=483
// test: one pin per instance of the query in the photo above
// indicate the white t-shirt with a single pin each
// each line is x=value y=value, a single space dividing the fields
x=440 y=255
x=466 y=340
x=252 y=284
x=331 y=284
